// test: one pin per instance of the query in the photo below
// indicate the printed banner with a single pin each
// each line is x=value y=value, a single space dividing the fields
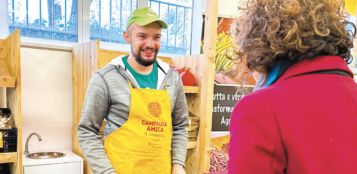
x=225 y=98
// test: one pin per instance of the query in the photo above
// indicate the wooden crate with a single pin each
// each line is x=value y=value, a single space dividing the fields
x=194 y=124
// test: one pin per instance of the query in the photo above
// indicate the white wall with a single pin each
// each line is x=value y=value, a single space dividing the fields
x=198 y=9
x=4 y=27
x=227 y=8
x=47 y=99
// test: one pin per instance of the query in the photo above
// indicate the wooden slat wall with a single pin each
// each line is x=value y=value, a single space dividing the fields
x=2 y=49
x=194 y=104
x=5 y=76
x=84 y=64
x=105 y=56
x=195 y=63
x=207 y=90
x=13 y=95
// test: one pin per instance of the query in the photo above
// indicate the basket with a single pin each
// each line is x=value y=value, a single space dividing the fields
x=213 y=146
x=194 y=124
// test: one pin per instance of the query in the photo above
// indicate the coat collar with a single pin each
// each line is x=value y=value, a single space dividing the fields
x=316 y=64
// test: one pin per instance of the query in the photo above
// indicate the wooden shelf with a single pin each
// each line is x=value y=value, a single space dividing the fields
x=191 y=89
x=10 y=77
x=5 y=77
x=192 y=145
x=8 y=157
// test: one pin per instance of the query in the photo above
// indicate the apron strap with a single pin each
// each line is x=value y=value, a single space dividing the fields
x=130 y=85
x=165 y=88
x=165 y=78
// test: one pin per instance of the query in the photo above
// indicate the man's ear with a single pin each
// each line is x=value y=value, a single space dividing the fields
x=127 y=36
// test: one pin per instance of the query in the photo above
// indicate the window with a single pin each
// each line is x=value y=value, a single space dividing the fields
x=178 y=16
x=108 y=19
x=44 y=19
x=350 y=27
x=61 y=20
x=108 y=22
x=353 y=20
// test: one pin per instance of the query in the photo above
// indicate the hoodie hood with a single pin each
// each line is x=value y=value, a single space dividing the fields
x=163 y=69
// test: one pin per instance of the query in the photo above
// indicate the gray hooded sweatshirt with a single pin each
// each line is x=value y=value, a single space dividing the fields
x=108 y=96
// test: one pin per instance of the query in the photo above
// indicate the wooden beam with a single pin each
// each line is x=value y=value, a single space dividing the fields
x=204 y=137
x=13 y=95
x=8 y=157
x=7 y=82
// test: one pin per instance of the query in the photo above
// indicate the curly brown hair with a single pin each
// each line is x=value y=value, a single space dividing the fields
x=270 y=30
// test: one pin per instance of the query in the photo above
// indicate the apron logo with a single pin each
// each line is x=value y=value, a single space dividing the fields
x=155 y=145
x=154 y=109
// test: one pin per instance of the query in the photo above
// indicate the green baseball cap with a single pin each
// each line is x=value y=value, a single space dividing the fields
x=144 y=16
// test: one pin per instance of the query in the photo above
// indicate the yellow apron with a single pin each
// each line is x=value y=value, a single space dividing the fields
x=143 y=143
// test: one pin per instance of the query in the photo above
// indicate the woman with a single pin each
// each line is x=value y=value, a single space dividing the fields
x=304 y=120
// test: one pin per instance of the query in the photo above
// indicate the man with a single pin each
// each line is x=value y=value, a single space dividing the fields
x=143 y=100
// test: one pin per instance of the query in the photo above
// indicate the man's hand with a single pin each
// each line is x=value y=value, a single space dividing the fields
x=178 y=169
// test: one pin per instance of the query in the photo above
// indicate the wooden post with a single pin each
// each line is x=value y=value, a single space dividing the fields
x=13 y=95
x=208 y=65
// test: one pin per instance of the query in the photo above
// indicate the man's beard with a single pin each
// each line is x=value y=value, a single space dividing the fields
x=141 y=61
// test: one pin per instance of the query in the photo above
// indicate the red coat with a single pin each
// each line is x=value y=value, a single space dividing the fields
x=305 y=124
